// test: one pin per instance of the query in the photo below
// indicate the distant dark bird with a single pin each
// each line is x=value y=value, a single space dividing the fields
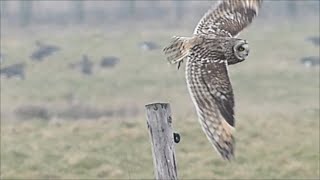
x=148 y=46
x=109 y=61
x=314 y=40
x=85 y=65
x=14 y=70
x=43 y=51
x=310 y=61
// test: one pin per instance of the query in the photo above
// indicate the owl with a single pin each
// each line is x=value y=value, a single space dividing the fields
x=208 y=53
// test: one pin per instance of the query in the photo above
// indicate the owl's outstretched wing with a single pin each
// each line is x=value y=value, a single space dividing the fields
x=211 y=92
x=228 y=17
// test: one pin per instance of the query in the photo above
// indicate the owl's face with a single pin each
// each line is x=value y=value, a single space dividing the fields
x=241 y=49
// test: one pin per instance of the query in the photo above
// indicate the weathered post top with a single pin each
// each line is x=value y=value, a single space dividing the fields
x=159 y=123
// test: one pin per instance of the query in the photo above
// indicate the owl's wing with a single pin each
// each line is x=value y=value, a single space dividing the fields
x=228 y=17
x=211 y=92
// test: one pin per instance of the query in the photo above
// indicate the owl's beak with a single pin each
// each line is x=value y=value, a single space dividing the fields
x=247 y=52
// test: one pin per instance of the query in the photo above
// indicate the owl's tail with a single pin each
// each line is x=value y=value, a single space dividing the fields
x=178 y=49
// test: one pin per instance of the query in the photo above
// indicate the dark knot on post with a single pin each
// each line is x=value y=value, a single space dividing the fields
x=176 y=137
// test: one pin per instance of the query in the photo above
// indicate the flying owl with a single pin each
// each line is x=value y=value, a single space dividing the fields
x=208 y=52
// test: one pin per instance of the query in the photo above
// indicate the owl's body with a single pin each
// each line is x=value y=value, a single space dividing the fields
x=208 y=53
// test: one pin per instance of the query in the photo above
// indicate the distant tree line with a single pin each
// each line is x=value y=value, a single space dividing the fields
x=177 y=10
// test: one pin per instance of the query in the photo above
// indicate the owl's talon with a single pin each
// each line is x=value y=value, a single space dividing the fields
x=179 y=63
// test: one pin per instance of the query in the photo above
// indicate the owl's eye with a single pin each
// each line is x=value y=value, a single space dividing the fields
x=241 y=48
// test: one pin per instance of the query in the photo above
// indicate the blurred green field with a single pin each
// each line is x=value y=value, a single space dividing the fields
x=277 y=107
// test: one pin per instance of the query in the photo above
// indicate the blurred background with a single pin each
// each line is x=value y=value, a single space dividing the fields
x=75 y=76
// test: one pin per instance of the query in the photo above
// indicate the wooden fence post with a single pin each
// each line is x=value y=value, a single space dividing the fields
x=159 y=123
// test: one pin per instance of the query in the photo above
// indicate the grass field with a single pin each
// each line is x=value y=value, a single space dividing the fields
x=277 y=107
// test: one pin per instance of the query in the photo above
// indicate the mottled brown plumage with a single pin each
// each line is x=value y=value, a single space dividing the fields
x=228 y=17
x=209 y=52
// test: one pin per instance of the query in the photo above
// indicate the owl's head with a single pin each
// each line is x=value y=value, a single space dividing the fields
x=241 y=49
